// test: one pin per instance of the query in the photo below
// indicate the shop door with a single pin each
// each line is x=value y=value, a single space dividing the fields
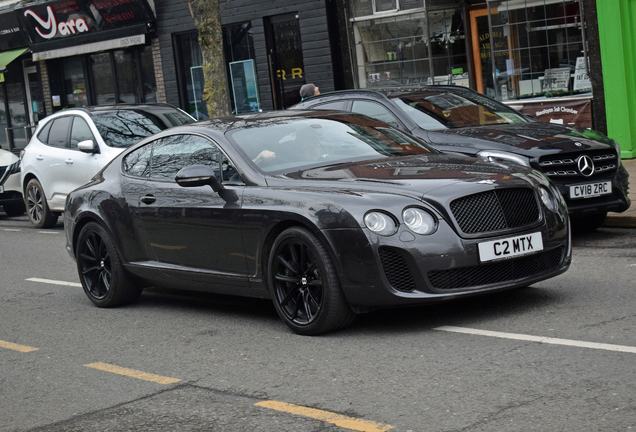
x=17 y=113
x=34 y=94
x=285 y=57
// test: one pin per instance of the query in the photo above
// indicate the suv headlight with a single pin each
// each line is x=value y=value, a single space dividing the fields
x=500 y=156
x=380 y=223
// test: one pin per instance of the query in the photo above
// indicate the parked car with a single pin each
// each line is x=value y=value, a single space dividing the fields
x=69 y=147
x=584 y=164
x=10 y=191
x=329 y=214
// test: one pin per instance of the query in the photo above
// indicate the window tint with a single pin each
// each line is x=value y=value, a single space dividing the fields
x=124 y=127
x=80 y=132
x=173 y=153
x=376 y=111
x=137 y=163
x=43 y=136
x=336 y=105
x=59 y=131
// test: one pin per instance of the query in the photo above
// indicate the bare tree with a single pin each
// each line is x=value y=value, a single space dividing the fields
x=207 y=17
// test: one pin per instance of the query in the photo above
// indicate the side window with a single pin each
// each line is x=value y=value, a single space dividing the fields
x=375 y=110
x=137 y=163
x=58 y=135
x=335 y=105
x=173 y=153
x=43 y=136
x=80 y=132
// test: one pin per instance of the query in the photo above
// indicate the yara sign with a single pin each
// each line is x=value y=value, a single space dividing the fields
x=64 y=28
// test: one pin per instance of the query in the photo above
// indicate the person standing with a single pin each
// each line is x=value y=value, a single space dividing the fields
x=308 y=90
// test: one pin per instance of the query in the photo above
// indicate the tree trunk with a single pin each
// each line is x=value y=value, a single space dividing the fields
x=207 y=17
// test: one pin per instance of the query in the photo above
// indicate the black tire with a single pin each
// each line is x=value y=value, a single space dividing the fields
x=588 y=223
x=37 y=207
x=14 y=209
x=304 y=285
x=100 y=269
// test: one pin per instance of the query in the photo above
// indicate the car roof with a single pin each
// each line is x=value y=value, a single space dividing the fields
x=386 y=92
x=99 y=108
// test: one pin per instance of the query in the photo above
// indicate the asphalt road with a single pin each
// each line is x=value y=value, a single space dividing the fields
x=558 y=355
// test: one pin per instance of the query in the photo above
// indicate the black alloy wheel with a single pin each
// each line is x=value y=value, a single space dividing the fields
x=37 y=206
x=100 y=270
x=304 y=285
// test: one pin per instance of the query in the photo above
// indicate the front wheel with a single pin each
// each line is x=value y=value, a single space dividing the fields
x=304 y=285
x=100 y=269
x=37 y=207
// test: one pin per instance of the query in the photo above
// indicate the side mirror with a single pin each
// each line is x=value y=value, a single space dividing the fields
x=88 y=146
x=201 y=175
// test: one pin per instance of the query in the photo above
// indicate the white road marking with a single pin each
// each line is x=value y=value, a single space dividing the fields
x=540 y=339
x=48 y=232
x=54 y=282
x=14 y=230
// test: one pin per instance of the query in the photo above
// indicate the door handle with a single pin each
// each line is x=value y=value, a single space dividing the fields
x=39 y=157
x=148 y=199
x=69 y=161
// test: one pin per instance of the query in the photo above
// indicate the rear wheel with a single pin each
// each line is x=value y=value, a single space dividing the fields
x=304 y=285
x=588 y=223
x=37 y=206
x=14 y=209
x=101 y=271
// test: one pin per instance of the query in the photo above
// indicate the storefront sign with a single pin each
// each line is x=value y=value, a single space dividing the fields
x=11 y=37
x=57 y=20
x=89 y=48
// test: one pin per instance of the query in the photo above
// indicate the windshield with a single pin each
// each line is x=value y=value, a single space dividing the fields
x=445 y=110
x=124 y=127
x=291 y=144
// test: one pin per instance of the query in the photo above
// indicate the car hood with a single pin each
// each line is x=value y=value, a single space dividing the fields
x=532 y=139
x=7 y=158
x=431 y=176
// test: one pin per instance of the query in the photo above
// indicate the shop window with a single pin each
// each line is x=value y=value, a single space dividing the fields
x=75 y=82
x=190 y=72
x=410 y=47
x=104 y=79
x=238 y=47
x=538 y=49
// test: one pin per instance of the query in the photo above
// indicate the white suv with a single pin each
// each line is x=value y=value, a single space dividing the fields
x=69 y=147
x=10 y=191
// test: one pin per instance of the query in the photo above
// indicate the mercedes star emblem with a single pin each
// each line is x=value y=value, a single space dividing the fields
x=586 y=165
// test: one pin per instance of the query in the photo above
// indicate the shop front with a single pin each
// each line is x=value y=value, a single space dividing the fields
x=91 y=52
x=20 y=102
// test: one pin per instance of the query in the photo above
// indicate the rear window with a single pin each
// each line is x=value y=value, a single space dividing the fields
x=124 y=127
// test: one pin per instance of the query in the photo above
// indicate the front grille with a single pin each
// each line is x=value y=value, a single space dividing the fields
x=557 y=166
x=396 y=270
x=497 y=272
x=495 y=210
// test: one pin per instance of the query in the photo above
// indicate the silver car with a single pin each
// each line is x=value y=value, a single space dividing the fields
x=69 y=147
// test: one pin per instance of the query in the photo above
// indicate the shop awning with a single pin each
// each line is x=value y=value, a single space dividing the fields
x=7 y=57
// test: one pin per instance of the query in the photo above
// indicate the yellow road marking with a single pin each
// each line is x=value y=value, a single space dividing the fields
x=336 y=419
x=16 y=347
x=132 y=373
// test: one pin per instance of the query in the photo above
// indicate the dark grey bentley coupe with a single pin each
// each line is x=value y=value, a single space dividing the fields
x=329 y=214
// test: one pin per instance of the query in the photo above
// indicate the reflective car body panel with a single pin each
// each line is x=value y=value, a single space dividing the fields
x=196 y=238
x=550 y=148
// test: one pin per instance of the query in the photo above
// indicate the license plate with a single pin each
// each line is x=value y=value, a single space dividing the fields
x=510 y=247
x=590 y=190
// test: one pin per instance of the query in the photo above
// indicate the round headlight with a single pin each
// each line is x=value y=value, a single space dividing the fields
x=548 y=199
x=418 y=220
x=380 y=223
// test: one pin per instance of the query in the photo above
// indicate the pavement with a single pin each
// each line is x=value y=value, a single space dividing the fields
x=626 y=219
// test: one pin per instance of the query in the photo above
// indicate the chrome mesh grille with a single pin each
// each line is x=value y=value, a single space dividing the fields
x=495 y=210
x=497 y=272
x=396 y=270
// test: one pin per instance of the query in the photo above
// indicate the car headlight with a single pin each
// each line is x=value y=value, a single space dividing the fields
x=500 y=156
x=419 y=221
x=380 y=223
x=548 y=199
